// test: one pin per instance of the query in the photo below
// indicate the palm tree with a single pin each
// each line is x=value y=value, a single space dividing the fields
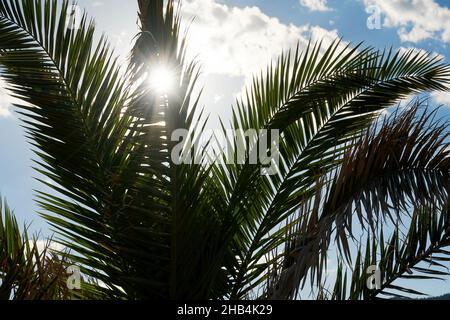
x=143 y=227
x=28 y=270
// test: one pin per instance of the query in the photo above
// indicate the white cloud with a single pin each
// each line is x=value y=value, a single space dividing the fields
x=416 y=20
x=234 y=43
x=315 y=5
x=41 y=245
x=240 y=41
x=5 y=100
x=441 y=98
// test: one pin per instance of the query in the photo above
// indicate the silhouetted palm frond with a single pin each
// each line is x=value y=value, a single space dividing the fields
x=142 y=225
x=420 y=254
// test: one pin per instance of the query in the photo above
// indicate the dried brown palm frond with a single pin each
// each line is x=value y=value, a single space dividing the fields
x=400 y=163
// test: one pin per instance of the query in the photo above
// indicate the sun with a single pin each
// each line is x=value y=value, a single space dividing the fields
x=162 y=80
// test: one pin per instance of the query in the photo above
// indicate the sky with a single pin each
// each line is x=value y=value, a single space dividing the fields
x=233 y=40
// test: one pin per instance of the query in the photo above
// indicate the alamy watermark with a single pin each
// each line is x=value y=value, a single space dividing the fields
x=374 y=281
x=74 y=17
x=374 y=20
x=74 y=278
x=255 y=147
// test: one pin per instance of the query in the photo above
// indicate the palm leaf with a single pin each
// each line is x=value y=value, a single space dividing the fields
x=73 y=98
x=148 y=227
x=319 y=103
x=418 y=255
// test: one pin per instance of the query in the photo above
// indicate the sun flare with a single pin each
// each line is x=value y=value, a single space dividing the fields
x=162 y=80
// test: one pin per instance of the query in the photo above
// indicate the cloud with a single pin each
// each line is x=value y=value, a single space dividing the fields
x=441 y=98
x=234 y=43
x=41 y=245
x=5 y=100
x=416 y=20
x=315 y=5
x=240 y=41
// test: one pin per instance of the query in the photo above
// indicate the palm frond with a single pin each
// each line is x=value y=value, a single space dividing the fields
x=418 y=255
x=402 y=163
x=320 y=103
x=145 y=226
x=73 y=97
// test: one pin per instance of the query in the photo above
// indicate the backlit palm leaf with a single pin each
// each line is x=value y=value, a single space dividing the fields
x=146 y=227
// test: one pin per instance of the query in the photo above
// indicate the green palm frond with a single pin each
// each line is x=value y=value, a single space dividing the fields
x=73 y=99
x=320 y=105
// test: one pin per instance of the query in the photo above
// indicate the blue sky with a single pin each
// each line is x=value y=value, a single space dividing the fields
x=234 y=39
